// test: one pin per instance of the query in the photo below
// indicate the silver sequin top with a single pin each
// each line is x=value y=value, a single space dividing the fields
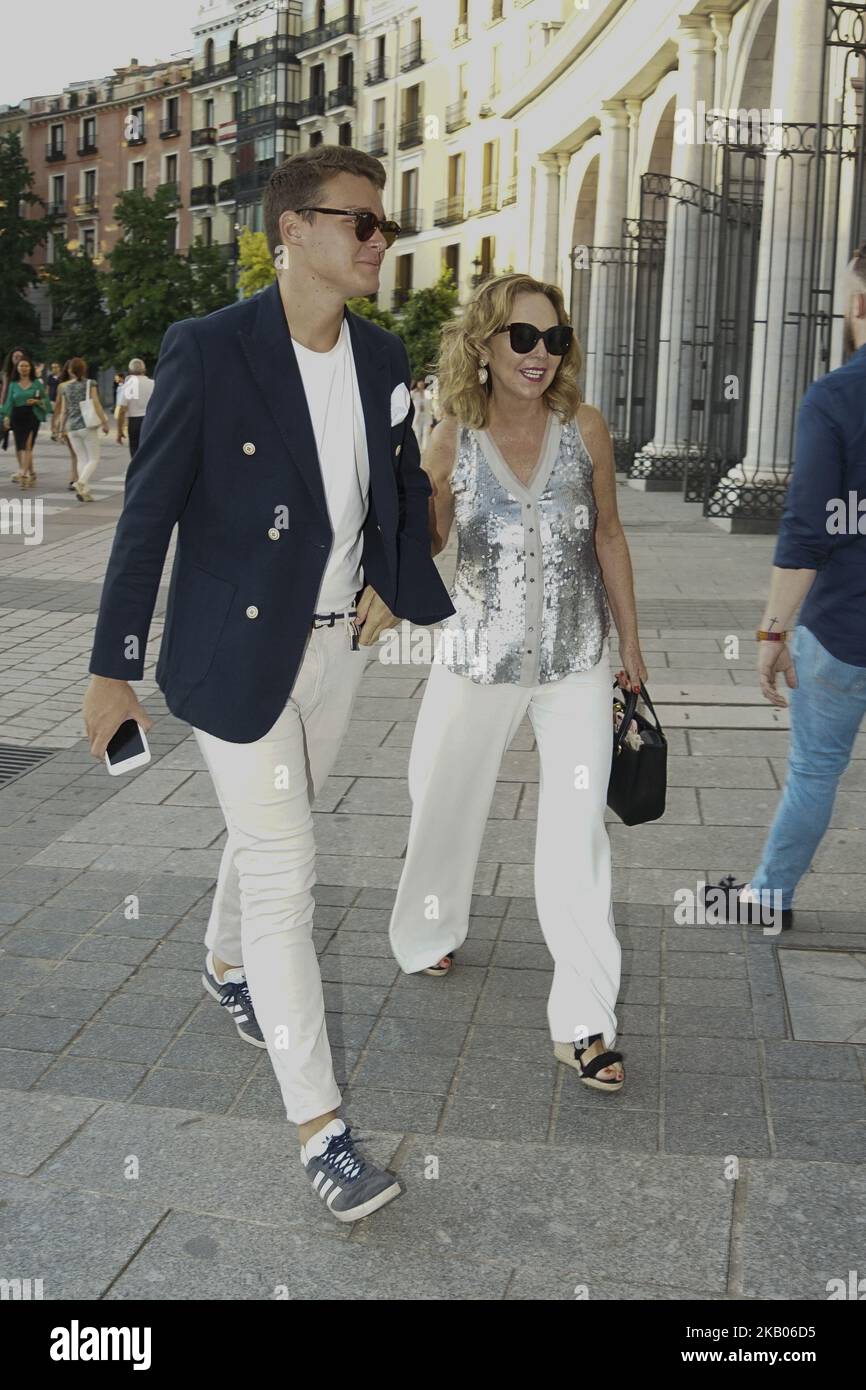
x=528 y=592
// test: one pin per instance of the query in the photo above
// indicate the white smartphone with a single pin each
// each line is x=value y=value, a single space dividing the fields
x=127 y=749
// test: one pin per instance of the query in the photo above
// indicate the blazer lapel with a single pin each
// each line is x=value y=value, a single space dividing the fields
x=268 y=349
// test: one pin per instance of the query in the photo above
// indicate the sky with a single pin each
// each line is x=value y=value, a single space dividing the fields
x=71 y=43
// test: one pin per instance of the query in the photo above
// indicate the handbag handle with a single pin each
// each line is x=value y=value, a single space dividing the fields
x=631 y=699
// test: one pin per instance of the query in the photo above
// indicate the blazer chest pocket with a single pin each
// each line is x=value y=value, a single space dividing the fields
x=202 y=606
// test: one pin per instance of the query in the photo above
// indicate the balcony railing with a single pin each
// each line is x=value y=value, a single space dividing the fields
x=205 y=136
x=54 y=153
x=253 y=179
x=376 y=72
x=283 y=113
x=87 y=145
x=225 y=191
x=312 y=106
x=410 y=221
x=460 y=33
x=169 y=126
x=346 y=24
x=56 y=209
x=446 y=211
x=455 y=115
x=86 y=207
x=202 y=195
x=376 y=143
x=400 y=296
x=411 y=133
x=341 y=96
x=509 y=194
x=279 y=48
x=213 y=73
x=173 y=185
x=139 y=139
x=411 y=55
x=489 y=198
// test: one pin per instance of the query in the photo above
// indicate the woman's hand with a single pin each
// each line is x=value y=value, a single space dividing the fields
x=774 y=659
x=105 y=427
x=634 y=672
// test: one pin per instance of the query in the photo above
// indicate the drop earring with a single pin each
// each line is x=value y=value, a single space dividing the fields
x=482 y=373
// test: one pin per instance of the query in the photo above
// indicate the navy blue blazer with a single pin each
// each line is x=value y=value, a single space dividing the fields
x=228 y=452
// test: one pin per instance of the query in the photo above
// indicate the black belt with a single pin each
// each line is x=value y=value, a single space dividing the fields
x=330 y=619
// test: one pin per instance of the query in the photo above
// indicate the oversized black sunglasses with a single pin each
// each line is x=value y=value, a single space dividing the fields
x=365 y=223
x=524 y=336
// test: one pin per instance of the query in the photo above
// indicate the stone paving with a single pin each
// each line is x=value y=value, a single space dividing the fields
x=144 y=1151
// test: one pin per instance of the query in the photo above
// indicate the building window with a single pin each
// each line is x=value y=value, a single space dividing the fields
x=58 y=137
x=134 y=131
x=58 y=191
x=487 y=254
x=345 y=134
x=170 y=168
x=207 y=231
x=171 y=114
x=88 y=241
x=208 y=54
x=137 y=175
x=89 y=190
x=451 y=260
x=209 y=112
x=172 y=233
x=315 y=138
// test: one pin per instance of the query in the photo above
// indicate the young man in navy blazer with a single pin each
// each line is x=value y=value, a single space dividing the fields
x=279 y=439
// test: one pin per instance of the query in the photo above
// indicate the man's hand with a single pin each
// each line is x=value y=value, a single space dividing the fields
x=107 y=703
x=773 y=658
x=374 y=617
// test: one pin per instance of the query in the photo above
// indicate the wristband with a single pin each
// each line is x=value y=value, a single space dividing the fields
x=771 y=636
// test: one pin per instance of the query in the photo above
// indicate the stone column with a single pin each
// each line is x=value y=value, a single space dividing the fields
x=545 y=231
x=604 y=331
x=560 y=278
x=784 y=260
x=661 y=463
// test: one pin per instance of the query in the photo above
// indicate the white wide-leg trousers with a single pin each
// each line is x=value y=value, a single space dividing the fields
x=463 y=729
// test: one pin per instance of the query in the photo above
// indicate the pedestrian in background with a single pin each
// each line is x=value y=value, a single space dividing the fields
x=12 y=359
x=59 y=432
x=25 y=407
x=422 y=418
x=76 y=395
x=52 y=381
x=136 y=393
x=819 y=568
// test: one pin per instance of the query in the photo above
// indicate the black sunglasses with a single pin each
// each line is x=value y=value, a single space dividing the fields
x=524 y=336
x=365 y=223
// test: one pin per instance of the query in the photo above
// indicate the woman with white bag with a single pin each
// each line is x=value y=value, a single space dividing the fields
x=81 y=415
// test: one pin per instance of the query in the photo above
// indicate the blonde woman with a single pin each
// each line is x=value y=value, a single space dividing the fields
x=525 y=473
x=83 y=438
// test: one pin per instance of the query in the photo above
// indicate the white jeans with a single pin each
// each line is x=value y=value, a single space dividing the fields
x=262 y=912
x=86 y=444
x=463 y=729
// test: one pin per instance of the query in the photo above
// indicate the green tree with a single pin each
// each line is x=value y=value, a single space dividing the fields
x=368 y=310
x=150 y=286
x=255 y=262
x=82 y=327
x=422 y=318
x=19 y=237
x=210 y=285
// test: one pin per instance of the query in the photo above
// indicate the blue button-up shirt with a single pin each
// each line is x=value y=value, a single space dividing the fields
x=828 y=482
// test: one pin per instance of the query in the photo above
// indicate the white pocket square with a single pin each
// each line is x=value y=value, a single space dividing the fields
x=400 y=402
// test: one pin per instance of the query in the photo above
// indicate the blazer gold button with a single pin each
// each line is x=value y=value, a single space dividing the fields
x=273 y=534
x=252 y=611
x=249 y=448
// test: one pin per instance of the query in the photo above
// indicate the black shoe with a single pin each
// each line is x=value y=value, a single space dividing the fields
x=753 y=912
x=234 y=995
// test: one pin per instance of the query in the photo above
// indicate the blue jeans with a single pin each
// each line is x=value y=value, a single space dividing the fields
x=827 y=708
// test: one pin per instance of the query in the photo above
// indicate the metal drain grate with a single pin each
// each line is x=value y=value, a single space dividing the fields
x=14 y=761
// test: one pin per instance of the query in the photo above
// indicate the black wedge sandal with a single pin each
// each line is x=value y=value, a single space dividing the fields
x=572 y=1056
x=438 y=968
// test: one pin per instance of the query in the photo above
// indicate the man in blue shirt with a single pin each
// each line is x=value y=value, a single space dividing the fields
x=820 y=563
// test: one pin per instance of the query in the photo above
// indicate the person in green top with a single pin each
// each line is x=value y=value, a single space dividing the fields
x=25 y=407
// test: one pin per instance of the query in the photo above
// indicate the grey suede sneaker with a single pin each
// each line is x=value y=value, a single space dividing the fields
x=350 y=1186
x=231 y=991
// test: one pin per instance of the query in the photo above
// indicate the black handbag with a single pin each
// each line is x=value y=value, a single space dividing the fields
x=638 y=776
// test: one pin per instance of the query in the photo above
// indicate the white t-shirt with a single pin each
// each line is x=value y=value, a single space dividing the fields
x=135 y=393
x=334 y=403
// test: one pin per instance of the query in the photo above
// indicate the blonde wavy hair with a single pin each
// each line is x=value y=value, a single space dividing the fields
x=463 y=343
